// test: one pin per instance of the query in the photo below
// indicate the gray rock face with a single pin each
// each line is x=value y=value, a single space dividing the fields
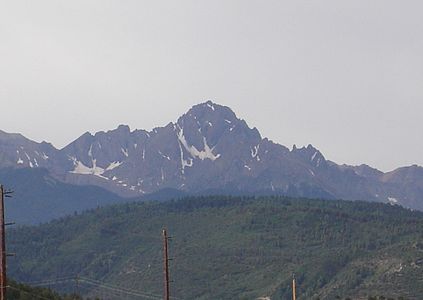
x=208 y=149
x=18 y=151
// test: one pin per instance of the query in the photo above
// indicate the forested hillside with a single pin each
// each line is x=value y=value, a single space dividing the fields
x=233 y=248
x=18 y=291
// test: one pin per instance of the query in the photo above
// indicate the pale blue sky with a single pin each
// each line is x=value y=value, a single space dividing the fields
x=345 y=76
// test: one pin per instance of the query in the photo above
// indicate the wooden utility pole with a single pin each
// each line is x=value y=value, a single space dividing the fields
x=165 y=265
x=76 y=287
x=294 y=293
x=3 y=281
x=3 y=254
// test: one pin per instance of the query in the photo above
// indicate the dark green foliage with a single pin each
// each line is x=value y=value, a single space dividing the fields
x=233 y=248
x=18 y=291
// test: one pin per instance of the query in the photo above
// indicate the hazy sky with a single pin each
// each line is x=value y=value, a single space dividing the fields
x=345 y=76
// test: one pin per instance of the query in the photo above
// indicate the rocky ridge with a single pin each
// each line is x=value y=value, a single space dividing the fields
x=208 y=150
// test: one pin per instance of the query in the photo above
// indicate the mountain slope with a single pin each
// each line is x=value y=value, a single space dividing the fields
x=38 y=197
x=18 y=151
x=234 y=248
x=208 y=148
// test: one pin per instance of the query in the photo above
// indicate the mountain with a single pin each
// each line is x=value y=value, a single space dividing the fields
x=208 y=149
x=38 y=197
x=18 y=151
x=229 y=248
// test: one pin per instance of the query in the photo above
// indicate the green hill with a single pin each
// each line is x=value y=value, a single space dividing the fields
x=18 y=291
x=233 y=248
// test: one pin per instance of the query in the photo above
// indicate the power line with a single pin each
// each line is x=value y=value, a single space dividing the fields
x=97 y=283
x=125 y=291
x=33 y=283
x=77 y=279
x=103 y=283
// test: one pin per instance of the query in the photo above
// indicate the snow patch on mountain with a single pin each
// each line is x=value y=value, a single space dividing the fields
x=125 y=152
x=82 y=169
x=113 y=165
x=254 y=151
x=184 y=163
x=392 y=200
x=163 y=155
x=210 y=105
x=207 y=153
x=27 y=156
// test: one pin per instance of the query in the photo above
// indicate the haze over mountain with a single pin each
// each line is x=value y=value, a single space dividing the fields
x=293 y=69
x=39 y=198
x=208 y=150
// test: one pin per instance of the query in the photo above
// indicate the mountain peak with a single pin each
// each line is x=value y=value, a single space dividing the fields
x=123 y=128
x=212 y=121
x=210 y=104
x=309 y=154
x=209 y=113
x=210 y=107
